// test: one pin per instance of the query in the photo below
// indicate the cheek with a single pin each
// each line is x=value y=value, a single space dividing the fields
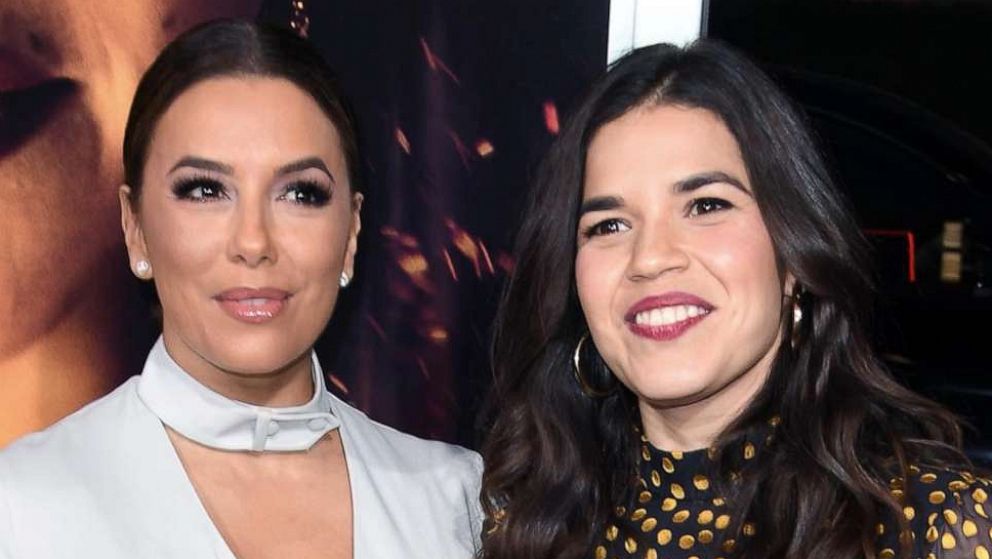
x=598 y=274
x=744 y=262
x=315 y=248
x=182 y=247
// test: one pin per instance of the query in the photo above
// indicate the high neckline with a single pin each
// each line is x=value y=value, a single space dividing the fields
x=216 y=421
x=686 y=474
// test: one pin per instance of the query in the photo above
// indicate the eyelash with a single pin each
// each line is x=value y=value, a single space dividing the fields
x=308 y=193
x=317 y=195
x=184 y=188
x=693 y=206
x=599 y=229
x=692 y=210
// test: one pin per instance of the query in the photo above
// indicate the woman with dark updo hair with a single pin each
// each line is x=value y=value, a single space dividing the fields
x=242 y=204
x=682 y=356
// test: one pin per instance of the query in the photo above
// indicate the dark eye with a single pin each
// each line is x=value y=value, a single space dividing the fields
x=199 y=189
x=307 y=193
x=610 y=226
x=702 y=206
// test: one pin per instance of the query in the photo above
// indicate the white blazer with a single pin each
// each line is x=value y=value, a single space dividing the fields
x=107 y=483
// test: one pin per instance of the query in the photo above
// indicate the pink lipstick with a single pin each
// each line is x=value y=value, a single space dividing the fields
x=666 y=317
x=254 y=306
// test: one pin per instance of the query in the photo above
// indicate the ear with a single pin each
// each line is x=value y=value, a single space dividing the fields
x=356 y=227
x=134 y=237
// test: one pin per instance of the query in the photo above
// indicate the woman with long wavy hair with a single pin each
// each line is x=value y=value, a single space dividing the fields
x=682 y=358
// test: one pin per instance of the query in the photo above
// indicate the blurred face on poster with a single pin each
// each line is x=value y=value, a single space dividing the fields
x=68 y=70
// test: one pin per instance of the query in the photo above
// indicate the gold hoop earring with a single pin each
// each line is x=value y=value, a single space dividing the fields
x=587 y=389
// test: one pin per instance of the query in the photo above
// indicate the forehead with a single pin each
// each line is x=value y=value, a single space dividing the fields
x=666 y=143
x=245 y=119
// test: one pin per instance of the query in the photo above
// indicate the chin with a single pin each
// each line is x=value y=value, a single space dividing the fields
x=258 y=353
x=670 y=390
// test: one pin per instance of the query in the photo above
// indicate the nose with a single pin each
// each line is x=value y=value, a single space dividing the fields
x=657 y=250
x=251 y=240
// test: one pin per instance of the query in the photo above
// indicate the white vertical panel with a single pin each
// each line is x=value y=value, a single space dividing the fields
x=635 y=23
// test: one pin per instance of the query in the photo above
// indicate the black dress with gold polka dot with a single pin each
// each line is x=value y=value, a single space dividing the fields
x=678 y=514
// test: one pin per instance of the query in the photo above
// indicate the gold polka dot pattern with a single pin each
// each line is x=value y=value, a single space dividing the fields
x=677 y=512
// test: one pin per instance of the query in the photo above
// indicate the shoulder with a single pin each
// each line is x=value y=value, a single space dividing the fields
x=69 y=445
x=48 y=475
x=947 y=512
x=423 y=478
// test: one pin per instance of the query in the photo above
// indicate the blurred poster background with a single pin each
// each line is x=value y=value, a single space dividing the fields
x=456 y=100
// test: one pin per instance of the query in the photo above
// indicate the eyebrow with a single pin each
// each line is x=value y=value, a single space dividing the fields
x=601 y=204
x=223 y=168
x=689 y=184
x=700 y=180
x=201 y=163
x=304 y=164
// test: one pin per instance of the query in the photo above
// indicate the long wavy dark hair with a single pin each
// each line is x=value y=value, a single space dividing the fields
x=558 y=461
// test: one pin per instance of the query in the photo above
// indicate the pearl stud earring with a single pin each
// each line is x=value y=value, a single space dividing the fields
x=142 y=269
x=344 y=281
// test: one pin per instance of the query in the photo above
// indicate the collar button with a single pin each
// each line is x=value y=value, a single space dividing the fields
x=317 y=424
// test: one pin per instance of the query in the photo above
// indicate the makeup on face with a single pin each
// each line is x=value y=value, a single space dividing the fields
x=667 y=316
x=675 y=270
x=248 y=221
x=254 y=306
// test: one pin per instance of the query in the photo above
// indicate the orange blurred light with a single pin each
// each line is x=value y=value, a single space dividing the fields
x=451 y=265
x=402 y=140
x=485 y=254
x=413 y=264
x=338 y=383
x=551 y=117
x=435 y=63
x=484 y=147
x=438 y=334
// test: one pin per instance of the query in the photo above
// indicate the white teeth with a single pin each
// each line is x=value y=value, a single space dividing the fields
x=655 y=317
x=255 y=302
x=668 y=315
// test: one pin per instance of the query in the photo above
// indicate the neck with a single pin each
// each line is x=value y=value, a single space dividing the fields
x=696 y=424
x=88 y=353
x=290 y=385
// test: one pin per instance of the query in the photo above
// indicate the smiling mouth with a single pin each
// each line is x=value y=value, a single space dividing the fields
x=667 y=323
x=667 y=316
x=23 y=112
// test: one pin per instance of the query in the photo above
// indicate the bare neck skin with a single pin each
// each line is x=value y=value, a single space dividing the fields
x=291 y=385
x=696 y=424
x=298 y=503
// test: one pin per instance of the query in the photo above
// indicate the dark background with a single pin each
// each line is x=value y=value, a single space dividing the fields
x=410 y=340
x=452 y=100
x=898 y=92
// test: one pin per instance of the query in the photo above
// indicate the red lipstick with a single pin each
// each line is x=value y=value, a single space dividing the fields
x=667 y=316
x=254 y=306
